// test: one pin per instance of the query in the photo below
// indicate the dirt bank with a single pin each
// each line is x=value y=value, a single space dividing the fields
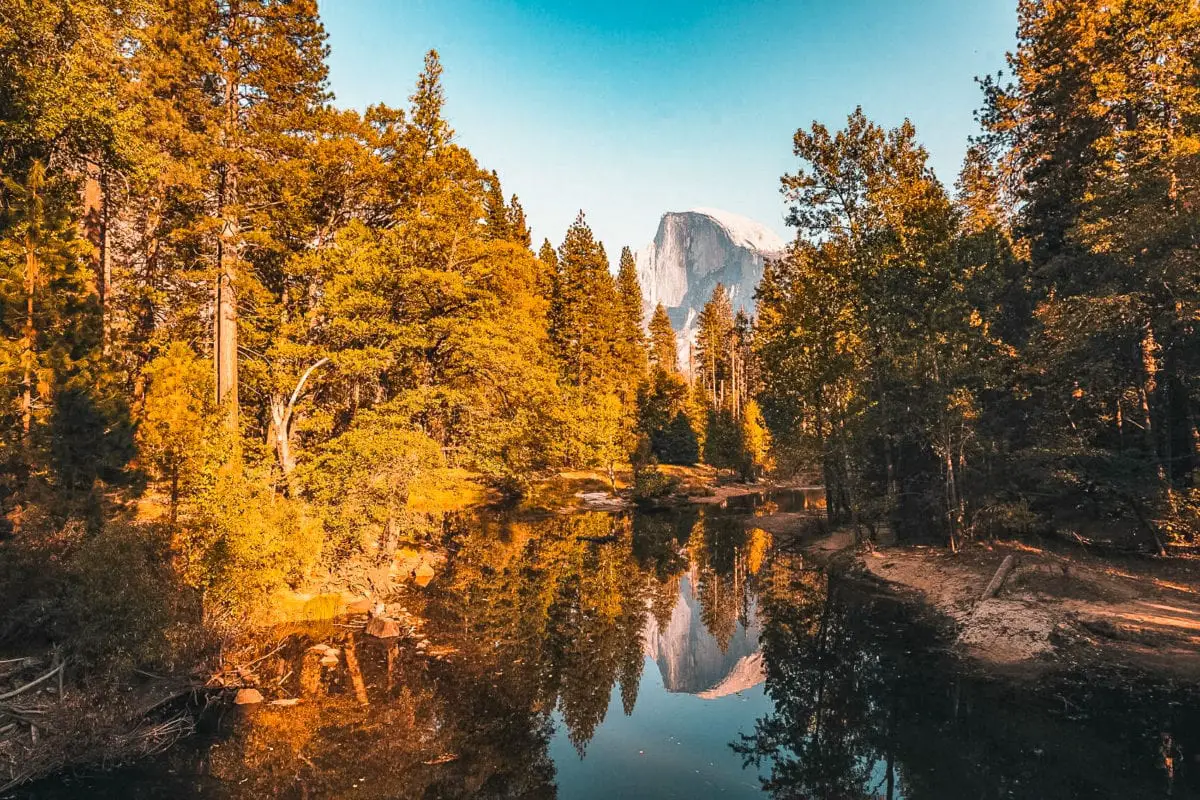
x=1057 y=607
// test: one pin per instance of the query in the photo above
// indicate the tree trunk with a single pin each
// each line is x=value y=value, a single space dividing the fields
x=283 y=409
x=1149 y=352
x=95 y=225
x=225 y=306
x=174 y=494
x=28 y=349
x=951 y=502
x=225 y=320
x=279 y=434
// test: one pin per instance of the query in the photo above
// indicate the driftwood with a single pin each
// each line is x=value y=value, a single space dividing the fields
x=998 y=579
x=35 y=682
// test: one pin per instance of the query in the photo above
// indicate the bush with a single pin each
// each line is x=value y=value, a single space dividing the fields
x=121 y=603
x=241 y=544
x=365 y=481
x=649 y=482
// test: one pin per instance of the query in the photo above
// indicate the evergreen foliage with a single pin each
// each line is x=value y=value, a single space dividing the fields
x=268 y=323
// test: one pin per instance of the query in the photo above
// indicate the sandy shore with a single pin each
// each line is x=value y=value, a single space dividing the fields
x=1058 y=607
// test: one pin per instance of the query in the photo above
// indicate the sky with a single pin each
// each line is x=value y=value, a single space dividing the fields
x=626 y=109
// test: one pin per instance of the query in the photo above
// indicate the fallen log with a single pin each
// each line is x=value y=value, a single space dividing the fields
x=998 y=579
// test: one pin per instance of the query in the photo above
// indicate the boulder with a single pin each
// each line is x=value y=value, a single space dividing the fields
x=423 y=574
x=248 y=697
x=329 y=661
x=383 y=628
x=362 y=605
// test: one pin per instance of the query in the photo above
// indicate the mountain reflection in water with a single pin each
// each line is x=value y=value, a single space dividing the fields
x=559 y=666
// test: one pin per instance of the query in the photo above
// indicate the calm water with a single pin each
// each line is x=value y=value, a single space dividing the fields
x=691 y=657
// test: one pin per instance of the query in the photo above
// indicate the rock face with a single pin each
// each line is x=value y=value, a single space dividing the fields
x=691 y=661
x=695 y=250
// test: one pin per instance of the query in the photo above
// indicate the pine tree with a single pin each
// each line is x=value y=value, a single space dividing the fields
x=664 y=352
x=45 y=298
x=517 y=226
x=496 y=213
x=632 y=344
x=237 y=84
x=714 y=345
x=1093 y=136
x=547 y=282
x=585 y=311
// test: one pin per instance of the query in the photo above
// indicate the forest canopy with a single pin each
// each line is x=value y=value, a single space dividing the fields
x=250 y=336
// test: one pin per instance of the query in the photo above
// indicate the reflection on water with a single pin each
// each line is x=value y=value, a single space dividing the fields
x=687 y=657
x=784 y=501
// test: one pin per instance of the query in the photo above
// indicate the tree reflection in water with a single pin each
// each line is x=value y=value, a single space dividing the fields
x=532 y=623
x=532 y=616
x=868 y=704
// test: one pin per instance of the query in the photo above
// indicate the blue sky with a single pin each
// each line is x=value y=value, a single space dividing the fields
x=628 y=109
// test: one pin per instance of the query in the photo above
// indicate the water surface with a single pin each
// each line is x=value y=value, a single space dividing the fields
x=690 y=656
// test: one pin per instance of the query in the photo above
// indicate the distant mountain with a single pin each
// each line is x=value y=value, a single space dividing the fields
x=689 y=657
x=695 y=250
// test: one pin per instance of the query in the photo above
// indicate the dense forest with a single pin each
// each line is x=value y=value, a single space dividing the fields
x=1023 y=355
x=250 y=336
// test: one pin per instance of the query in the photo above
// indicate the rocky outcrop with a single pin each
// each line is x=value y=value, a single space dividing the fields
x=695 y=250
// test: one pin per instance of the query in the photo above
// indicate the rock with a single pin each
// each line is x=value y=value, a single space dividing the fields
x=383 y=628
x=329 y=661
x=418 y=566
x=248 y=697
x=360 y=606
x=423 y=574
x=691 y=253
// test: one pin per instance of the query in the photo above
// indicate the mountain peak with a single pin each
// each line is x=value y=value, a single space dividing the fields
x=695 y=250
x=744 y=231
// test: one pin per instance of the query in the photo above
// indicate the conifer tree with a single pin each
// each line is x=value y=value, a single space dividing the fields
x=496 y=213
x=632 y=344
x=548 y=274
x=585 y=311
x=1095 y=137
x=714 y=345
x=44 y=299
x=664 y=352
x=517 y=226
x=237 y=84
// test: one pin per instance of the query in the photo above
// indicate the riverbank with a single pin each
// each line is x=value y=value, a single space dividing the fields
x=1057 y=607
x=591 y=490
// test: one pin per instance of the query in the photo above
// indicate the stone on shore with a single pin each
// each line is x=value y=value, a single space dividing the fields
x=248 y=697
x=383 y=628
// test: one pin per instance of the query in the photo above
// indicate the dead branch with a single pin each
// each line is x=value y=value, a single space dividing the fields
x=998 y=579
x=34 y=682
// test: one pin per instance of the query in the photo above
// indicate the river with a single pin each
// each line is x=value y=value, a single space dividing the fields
x=675 y=654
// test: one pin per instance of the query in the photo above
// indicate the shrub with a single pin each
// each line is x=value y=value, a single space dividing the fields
x=121 y=603
x=241 y=543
